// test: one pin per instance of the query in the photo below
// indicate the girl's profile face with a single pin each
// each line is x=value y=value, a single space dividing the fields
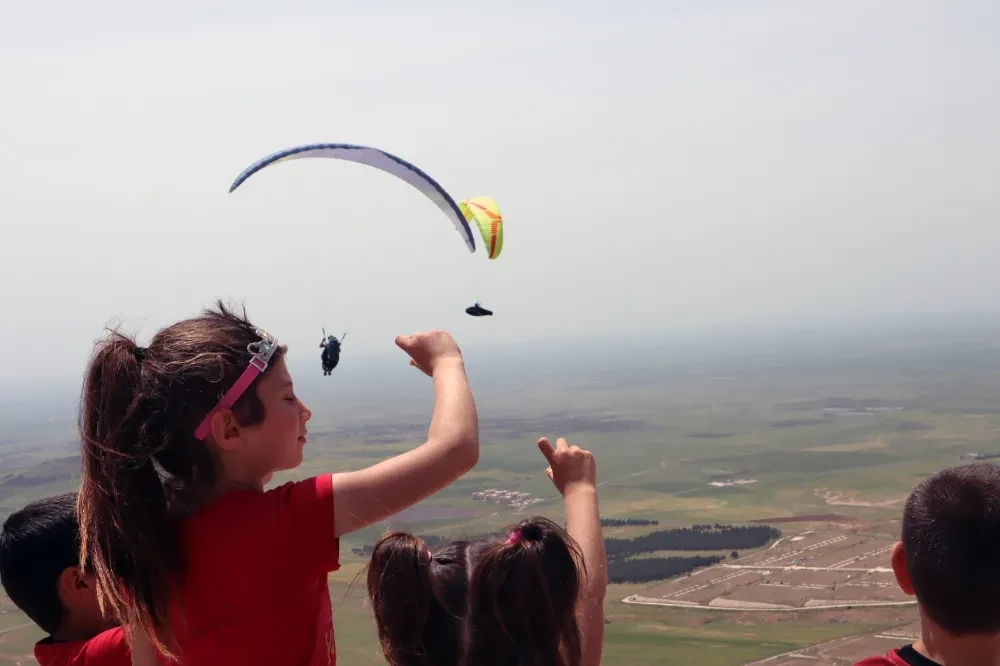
x=276 y=443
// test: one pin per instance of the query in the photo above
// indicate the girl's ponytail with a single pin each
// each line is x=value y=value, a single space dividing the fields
x=522 y=599
x=420 y=599
x=127 y=539
x=138 y=415
x=400 y=591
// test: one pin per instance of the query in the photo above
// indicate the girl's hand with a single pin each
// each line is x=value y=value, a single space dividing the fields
x=369 y=495
x=429 y=351
x=569 y=466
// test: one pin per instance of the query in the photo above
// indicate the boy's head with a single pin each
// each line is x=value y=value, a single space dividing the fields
x=39 y=569
x=949 y=556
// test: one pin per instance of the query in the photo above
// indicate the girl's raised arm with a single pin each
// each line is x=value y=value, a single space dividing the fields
x=452 y=447
x=574 y=473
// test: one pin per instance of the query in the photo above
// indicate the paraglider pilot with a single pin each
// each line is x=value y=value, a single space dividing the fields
x=478 y=310
x=331 y=353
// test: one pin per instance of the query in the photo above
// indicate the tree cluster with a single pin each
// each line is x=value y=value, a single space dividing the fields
x=627 y=522
x=699 y=537
x=645 y=569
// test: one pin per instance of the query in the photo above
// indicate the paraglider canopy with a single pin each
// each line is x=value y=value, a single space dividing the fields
x=481 y=211
x=485 y=212
x=378 y=159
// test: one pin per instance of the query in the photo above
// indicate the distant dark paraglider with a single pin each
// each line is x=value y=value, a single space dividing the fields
x=331 y=352
x=478 y=310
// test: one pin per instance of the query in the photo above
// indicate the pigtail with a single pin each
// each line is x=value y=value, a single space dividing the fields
x=400 y=591
x=138 y=415
x=126 y=537
x=522 y=599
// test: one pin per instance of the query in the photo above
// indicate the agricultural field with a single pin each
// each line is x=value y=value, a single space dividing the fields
x=820 y=438
x=847 y=650
x=823 y=568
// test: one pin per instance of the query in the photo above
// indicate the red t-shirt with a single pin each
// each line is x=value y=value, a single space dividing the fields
x=255 y=586
x=904 y=656
x=105 y=649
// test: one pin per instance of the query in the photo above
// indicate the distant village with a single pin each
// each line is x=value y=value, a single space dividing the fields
x=731 y=482
x=978 y=456
x=508 y=497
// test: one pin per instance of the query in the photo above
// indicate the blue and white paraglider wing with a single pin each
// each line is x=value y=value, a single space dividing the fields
x=378 y=159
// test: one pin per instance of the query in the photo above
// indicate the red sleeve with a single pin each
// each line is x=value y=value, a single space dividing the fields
x=890 y=659
x=305 y=515
x=105 y=649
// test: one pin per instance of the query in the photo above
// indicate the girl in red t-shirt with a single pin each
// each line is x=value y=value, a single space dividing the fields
x=178 y=441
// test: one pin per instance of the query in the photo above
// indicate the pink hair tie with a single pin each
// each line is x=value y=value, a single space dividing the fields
x=514 y=537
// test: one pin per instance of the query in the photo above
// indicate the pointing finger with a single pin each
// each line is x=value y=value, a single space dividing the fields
x=547 y=450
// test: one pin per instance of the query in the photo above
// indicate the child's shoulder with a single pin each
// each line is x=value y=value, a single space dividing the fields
x=307 y=489
x=904 y=656
x=292 y=495
x=296 y=519
x=880 y=660
x=109 y=648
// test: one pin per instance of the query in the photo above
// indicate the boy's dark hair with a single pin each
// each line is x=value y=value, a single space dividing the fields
x=37 y=544
x=420 y=599
x=951 y=543
x=138 y=415
x=522 y=599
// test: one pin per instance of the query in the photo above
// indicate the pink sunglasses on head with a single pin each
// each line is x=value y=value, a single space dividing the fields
x=261 y=355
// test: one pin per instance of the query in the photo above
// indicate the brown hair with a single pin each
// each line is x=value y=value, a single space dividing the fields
x=138 y=414
x=951 y=544
x=522 y=599
x=420 y=599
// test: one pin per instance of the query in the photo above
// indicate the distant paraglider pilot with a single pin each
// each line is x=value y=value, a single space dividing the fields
x=478 y=310
x=331 y=353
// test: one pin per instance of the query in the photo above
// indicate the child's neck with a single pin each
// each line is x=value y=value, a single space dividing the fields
x=938 y=645
x=187 y=501
x=76 y=628
x=236 y=474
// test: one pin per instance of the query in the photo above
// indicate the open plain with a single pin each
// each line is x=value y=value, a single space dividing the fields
x=832 y=433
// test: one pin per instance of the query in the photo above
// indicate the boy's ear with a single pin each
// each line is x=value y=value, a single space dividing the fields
x=71 y=581
x=899 y=568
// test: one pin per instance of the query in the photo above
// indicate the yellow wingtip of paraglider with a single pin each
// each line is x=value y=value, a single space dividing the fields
x=485 y=212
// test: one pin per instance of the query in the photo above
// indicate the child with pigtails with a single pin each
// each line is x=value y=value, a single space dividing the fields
x=534 y=599
x=188 y=549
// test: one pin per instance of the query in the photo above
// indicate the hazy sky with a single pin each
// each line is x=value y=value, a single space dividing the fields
x=660 y=165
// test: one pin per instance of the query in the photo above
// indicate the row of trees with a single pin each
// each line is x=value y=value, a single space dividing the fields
x=627 y=522
x=697 y=537
x=718 y=537
x=645 y=569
